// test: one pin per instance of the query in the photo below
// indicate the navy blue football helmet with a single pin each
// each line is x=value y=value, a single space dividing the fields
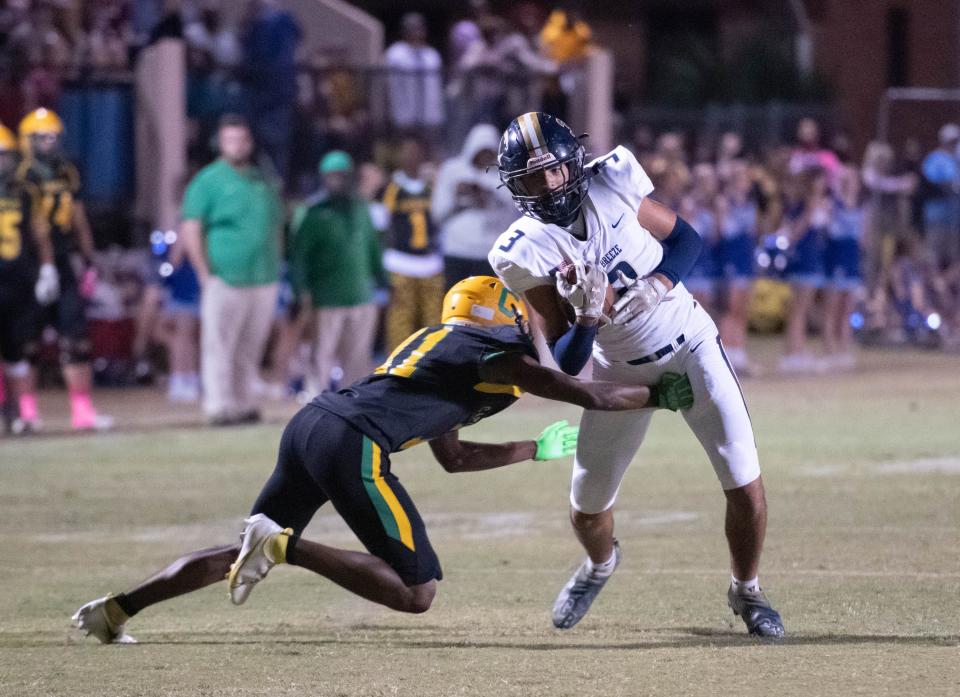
x=534 y=143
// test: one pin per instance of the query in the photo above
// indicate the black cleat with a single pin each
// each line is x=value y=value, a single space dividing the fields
x=579 y=593
x=755 y=611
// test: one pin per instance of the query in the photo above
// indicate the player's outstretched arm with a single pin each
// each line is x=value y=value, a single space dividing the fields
x=557 y=440
x=671 y=392
x=457 y=455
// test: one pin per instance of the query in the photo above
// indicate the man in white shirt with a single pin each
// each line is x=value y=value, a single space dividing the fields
x=414 y=77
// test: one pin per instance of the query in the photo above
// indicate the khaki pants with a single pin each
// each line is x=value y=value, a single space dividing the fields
x=416 y=303
x=234 y=328
x=345 y=338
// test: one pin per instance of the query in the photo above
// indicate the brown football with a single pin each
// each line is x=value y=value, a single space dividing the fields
x=570 y=274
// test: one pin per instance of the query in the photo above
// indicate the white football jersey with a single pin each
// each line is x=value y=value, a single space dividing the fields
x=530 y=252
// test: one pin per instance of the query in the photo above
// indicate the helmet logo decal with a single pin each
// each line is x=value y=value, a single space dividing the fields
x=508 y=311
x=541 y=159
x=482 y=311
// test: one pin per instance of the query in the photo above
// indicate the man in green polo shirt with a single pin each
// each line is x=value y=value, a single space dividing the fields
x=336 y=263
x=232 y=218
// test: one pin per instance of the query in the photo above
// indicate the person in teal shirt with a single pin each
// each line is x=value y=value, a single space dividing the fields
x=232 y=222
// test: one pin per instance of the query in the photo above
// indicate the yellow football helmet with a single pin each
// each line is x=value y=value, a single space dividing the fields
x=39 y=121
x=482 y=300
x=7 y=140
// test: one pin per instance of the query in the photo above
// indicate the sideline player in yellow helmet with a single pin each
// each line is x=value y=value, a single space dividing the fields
x=473 y=364
x=27 y=277
x=45 y=167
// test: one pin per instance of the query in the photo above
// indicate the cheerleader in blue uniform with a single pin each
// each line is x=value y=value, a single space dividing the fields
x=807 y=221
x=842 y=268
x=737 y=225
x=697 y=207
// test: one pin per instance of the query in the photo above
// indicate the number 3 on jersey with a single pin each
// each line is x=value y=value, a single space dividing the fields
x=512 y=241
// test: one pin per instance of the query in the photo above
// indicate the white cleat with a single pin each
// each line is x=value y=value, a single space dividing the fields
x=104 y=619
x=256 y=556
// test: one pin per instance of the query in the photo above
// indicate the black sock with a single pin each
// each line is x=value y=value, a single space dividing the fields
x=126 y=604
x=291 y=556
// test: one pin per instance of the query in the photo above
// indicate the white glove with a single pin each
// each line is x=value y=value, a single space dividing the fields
x=641 y=294
x=47 y=287
x=587 y=293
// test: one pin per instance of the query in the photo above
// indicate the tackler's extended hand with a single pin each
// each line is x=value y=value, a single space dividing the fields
x=559 y=439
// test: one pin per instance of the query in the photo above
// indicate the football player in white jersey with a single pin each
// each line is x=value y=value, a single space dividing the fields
x=597 y=218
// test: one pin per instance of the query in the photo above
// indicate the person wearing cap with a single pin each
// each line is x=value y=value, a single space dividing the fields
x=941 y=209
x=336 y=264
x=232 y=223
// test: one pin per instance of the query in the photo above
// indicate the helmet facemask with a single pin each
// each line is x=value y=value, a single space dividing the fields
x=558 y=204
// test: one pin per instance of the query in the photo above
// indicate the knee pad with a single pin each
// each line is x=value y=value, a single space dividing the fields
x=75 y=350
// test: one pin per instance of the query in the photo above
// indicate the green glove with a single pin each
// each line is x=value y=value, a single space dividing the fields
x=557 y=440
x=674 y=392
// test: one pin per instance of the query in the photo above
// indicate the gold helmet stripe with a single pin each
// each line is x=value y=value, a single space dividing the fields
x=532 y=134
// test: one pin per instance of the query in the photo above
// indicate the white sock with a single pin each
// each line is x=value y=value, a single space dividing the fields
x=751 y=586
x=603 y=569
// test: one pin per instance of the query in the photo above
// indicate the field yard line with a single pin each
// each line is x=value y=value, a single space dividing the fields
x=838 y=573
x=926 y=465
x=923 y=465
x=470 y=526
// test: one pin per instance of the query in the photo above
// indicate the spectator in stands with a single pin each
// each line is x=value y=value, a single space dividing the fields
x=737 y=221
x=182 y=311
x=336 y=264
x=470 y=207
x=414 y=79
x=886 y=193
x=941 y=209
x=729 y=152
x=501 y=73
x=269 y=46
x=808 y=154
x=412 y=255
x=232 y=217
x=466 y=31
x=565 y=38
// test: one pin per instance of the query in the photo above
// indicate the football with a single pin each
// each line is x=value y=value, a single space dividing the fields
x=570 y=274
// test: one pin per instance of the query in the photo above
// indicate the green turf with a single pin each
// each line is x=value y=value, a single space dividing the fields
x=863 y=480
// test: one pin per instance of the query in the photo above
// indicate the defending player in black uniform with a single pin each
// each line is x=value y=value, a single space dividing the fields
x=24 y=246
x=475 y=364
x=58 y=182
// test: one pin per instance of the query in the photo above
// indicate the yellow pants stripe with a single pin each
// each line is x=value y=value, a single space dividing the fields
x=399 y=515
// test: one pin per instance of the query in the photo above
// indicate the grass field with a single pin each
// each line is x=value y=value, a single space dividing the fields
x=862 y=560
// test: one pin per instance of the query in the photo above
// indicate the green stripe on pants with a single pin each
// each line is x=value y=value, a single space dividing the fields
x=370 y=472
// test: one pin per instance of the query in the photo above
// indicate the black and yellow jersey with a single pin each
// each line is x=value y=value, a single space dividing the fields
x=58 y=185
x=19 y=203
x=429 y=385
x=411 y=230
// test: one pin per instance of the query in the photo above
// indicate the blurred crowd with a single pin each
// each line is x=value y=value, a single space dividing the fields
x=45 y=42
x=804 y=236
x=303 y=103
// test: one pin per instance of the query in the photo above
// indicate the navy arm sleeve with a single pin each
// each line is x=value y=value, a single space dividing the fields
x=680 y=251
x=573 y=349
